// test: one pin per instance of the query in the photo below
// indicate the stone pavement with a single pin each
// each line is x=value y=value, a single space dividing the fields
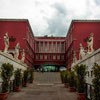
x=47 y=77
x=46 y=86
x=43 y=92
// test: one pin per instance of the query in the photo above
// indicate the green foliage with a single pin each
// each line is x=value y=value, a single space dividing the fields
x=25 y=76
x=96 y=81
x=18 y=77
x=31 y=75
x=6 y=73
x=64 y=76
x=80 y=72
x=72 y=81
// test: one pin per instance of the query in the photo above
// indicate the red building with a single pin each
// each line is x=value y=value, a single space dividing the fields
x=78 y=32
x=49 y=50
x=19 y=30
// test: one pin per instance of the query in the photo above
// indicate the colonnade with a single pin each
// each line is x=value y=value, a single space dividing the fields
x=50 y=47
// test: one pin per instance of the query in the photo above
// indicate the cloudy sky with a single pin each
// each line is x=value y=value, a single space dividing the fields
x=50 y=17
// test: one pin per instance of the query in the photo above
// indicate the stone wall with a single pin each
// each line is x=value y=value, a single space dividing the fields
x=89 y=61
x=7 y=58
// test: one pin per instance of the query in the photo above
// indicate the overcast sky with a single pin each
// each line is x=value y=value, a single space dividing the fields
x=50 y=17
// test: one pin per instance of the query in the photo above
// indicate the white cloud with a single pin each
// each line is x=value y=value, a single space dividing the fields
x=50 y=16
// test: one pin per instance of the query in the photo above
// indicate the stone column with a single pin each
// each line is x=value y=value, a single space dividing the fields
x=60 y=48
x=64 y=47
x=48 y=46
x=51 y=47
x=56 y=46
x=43 y=46
x=39 y=47
x=36 y=46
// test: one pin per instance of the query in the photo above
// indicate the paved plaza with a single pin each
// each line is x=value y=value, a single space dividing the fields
x=44 y=90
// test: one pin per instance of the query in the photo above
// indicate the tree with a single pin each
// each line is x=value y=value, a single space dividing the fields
x=96 y=81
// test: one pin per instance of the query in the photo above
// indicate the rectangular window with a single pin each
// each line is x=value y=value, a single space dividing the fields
x=62 y=57
x=58 y=57
x=91 y=73
x=54 y=57
x=45 y=57
x=41 y=57
x=37 y=57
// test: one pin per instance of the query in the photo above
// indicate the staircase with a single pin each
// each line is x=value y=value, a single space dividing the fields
x=47 y=78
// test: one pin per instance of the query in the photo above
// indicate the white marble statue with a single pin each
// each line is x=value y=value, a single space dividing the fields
x=17 y=48
x=90 y=44
x=6 y=42
x=23 y=55
x=74 y=57
x=82 y=52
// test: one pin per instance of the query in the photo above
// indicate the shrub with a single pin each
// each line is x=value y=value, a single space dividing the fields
x=18 y=77
x=72 y=81
x=6 y=73
x=96 y=81
x=80 y=72
x=31 y=75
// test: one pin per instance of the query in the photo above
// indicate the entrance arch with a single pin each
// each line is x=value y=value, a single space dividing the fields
x=48 y=67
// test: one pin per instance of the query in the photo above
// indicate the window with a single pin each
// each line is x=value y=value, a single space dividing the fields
x=91 y=73
x=41 y=56
x=88 y=73
x=58 y=57
x=54 y=57
x=62 y=57
x=37 y=57
x=45 y=57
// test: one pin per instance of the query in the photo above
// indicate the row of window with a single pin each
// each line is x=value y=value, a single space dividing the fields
x=50 y=48
x=49 y=57
x=90 y=73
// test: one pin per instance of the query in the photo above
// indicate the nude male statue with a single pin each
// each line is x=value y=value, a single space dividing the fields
x=90 y=43
x=6 y=42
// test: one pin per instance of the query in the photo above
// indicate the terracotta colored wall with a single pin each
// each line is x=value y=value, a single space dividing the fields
x=49 y=54
x=20 y=32
x=80 y=31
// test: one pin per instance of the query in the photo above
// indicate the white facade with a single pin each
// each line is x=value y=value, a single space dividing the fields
x=89 y=61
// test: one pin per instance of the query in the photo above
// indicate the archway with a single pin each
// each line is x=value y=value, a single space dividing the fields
x=48 y=67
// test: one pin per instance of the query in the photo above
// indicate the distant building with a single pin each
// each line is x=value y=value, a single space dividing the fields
x=49 y=50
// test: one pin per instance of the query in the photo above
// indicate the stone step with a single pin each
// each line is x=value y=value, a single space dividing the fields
x=47 y=77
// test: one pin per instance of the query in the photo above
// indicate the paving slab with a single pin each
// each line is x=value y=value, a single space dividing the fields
x=43 y=92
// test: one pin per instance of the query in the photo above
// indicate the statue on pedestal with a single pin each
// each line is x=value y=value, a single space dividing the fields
x=6 y=42
x=82 y=52
x=90 y=44
x=17 y=48
x=23 y=55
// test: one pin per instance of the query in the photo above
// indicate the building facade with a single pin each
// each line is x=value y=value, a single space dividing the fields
x=19 y=31
x=79 y=31
x=50 y=50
